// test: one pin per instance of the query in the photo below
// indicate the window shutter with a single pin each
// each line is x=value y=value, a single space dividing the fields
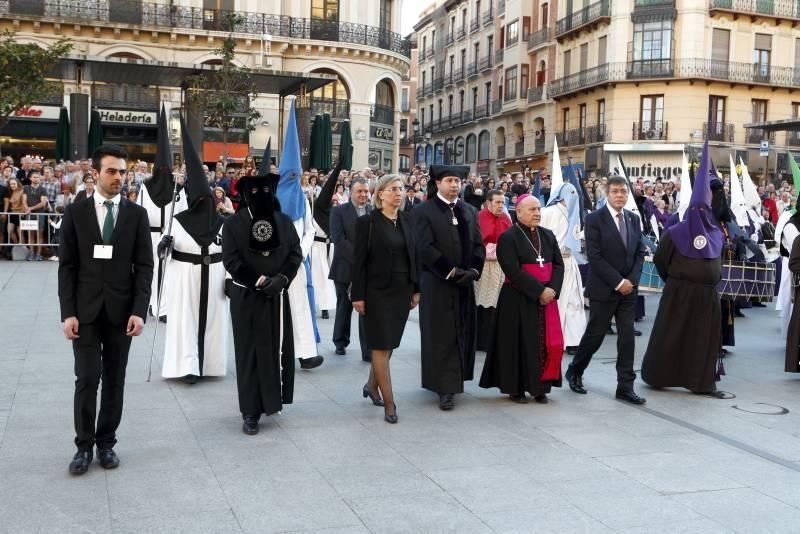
x=763 y=41
x=720 y=44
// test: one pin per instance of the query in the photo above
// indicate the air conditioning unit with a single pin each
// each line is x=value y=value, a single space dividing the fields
x=651 y=134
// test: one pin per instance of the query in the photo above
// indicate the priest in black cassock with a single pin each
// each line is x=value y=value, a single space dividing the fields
x=527 y=341
x=451 y=252
x=684 y=345
x=261 y=251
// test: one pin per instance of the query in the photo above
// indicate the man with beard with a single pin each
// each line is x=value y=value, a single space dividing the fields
x=527 y=345
x=196 y=343
x=261 y=251
x=450 y=249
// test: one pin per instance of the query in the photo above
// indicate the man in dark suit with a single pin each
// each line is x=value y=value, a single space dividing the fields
x=613 y=246
x=411 y=200
x=104 y=275
x=343 y=235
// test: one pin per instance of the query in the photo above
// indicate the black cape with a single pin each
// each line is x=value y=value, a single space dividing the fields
x=447 y=311
x=264 y=365
x=684 y=344
x=793 y=332
x=515 y=359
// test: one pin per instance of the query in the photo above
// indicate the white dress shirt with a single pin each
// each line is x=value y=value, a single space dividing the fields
x=101 y=210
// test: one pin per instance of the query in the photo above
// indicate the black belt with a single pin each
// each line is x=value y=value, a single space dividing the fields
x=155 y=229
x=322 y=239
x=197 y=259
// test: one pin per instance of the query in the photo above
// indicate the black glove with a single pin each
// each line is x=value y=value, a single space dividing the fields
x=165 y=246
x=464 y=277
x=275 y=285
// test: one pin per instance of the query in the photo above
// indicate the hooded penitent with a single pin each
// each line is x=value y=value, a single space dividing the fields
x=259 y=193
x=738 y=203
x=201 y=220
x=290 y=192
x=438 y=172
x=697 y=236
x=556 y=176
x=162 y=183
x=567 y=193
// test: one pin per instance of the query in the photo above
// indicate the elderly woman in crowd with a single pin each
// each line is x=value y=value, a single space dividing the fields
x=384 y=288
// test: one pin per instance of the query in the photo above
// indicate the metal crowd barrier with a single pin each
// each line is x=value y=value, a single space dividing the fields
x=30 y=223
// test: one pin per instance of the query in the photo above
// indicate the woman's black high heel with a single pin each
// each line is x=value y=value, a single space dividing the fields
x=390 y=418
x=367 y=393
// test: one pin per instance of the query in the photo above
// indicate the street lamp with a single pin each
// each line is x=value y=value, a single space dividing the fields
x=415 y=125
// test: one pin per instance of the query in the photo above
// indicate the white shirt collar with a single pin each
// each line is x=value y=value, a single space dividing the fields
x=612 y=211
x=448 y=202
x=100 y=199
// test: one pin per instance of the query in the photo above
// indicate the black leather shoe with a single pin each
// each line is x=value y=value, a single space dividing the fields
x=446 y=401
x=519 y=399
x=250 y=425
x=575 y=383
x=190 y=379
x=325 y=314
x=637 y=333
x=80 y=462
x=391 y=419
x=377 y=401
x=630 y=396
x=758 y=304
x=311 y=363
x=340 y=351
x=108 y=458
x=541 y=399
x=611 y=331
x=162 y=319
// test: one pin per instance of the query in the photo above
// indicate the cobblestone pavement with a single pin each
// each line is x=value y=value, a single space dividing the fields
x=329 y=463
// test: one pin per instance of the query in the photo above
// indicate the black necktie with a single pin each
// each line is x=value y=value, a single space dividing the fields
x=623 y=231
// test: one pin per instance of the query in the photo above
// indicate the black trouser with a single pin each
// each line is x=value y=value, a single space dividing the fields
x=341 y=324
x=623 y=310
x=101 y=351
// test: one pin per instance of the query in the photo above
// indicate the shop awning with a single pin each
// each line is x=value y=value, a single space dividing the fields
x=213 y=150
x=174 y=74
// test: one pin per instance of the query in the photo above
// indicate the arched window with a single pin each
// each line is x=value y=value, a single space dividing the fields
x=335 y=90
x=429 y=155
x=471 y=148
x=448 y=148
x=404 y=163
x=384 y=95
x=420 y=154
x=459 y=152
x=438 y=155
x=483 y=145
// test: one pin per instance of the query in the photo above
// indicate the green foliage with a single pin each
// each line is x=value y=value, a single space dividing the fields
x=225 y=95
x=23 y=72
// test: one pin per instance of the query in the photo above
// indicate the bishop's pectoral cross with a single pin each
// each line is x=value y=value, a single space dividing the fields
x=540 y=260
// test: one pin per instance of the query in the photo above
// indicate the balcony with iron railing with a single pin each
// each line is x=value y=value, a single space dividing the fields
x=510 y=96
x=125 y=96
x=485 y=63
x=691 y=68
x=501 y=8
x=539 y=146
x=450 y=39
x=430 y=51
x=591 y=14
x=719 y=131
x=438 y=84
x=538 y=38
x=775 y=9
x=646 y=10
x=169 y=16
x=421 y=55
x=335 y=107
x=458 y=75
x=512 y=41
x=474 y=25
x=535 y=94
x=497 y=106
x=650 y=131
x=501 y=151
x=461 y=33
x=756 y=135
x=480 y=112
x=596 y=134
x=498 y=56
x=488 y=17
x=519 y=148
x=472 y=69
x=382 y=114
x=792 y=138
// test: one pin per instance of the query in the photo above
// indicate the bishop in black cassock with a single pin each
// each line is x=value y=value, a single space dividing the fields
x=261 y=251
x=527 y=342
x=450 y=249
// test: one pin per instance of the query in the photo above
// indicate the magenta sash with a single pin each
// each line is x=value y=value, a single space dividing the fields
x=554 y=337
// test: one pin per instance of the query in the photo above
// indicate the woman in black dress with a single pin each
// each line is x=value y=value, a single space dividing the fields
x=384 y=287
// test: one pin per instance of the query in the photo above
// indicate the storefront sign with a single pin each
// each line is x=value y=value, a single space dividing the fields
x=117 y=116
x=650 y=165
x=382 y=132
x=37 y=113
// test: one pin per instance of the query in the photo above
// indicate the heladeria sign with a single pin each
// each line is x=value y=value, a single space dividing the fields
x=118 y=116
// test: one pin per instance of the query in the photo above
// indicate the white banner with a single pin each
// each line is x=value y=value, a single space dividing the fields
x=36 y=112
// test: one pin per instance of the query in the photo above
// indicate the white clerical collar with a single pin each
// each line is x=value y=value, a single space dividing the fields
x=99 y=199
x=612 y=211
x=448 y=202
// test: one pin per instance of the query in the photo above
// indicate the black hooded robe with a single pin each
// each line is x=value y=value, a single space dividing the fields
x=447 y=316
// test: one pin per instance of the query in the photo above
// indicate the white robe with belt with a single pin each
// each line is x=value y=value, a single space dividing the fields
x=182 y=289
x=570 y=299
x=324 y=290
x=785 y=234
x=305 y=342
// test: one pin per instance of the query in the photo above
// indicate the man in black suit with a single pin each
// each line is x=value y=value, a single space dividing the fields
x=343 y=235
x=104 y=275
x=411 y=200
x=613 y=246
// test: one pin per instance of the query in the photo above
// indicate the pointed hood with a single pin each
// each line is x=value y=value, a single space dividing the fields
x=162 y=183
x=685 y=194
x=265 y=167
x=750 y=190
x=201 y=220
x=322 y=204
x=738 y=204
x=576 y=183
x=698 y=236
x=571 y=198
x=556 y=178
x=290 y=193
